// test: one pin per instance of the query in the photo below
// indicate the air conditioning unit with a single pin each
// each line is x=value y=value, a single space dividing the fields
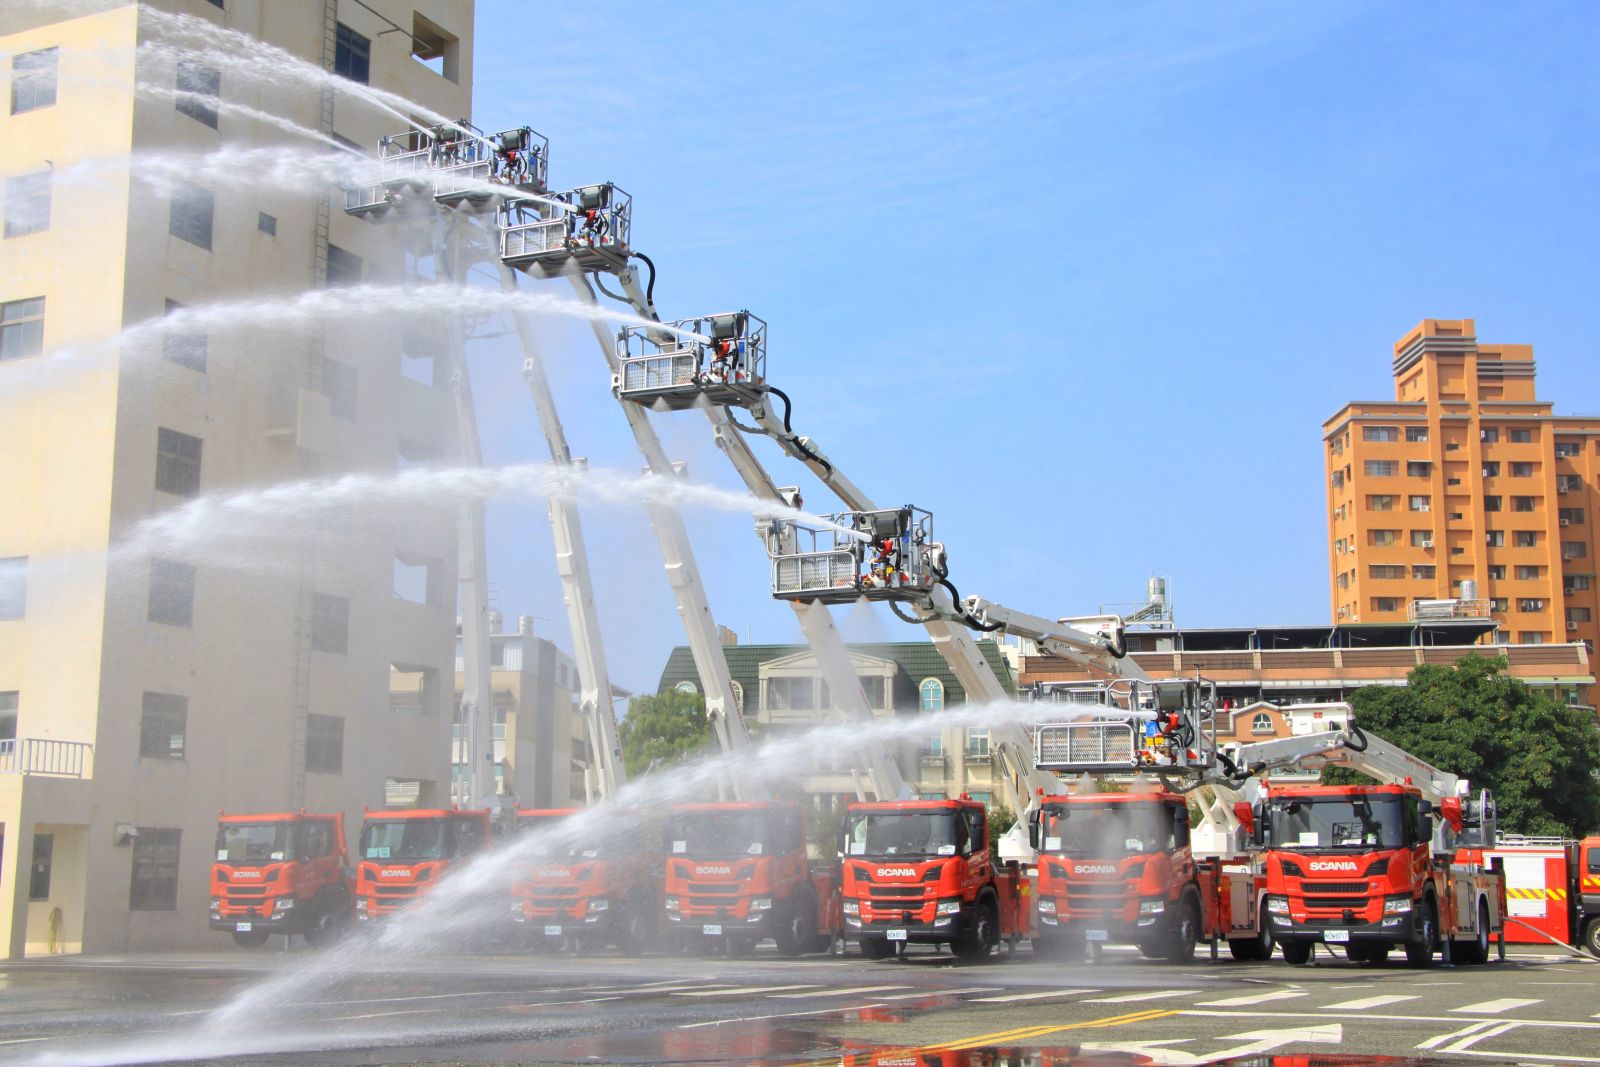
x=1427 y=544
x=1566 y=522
x=1483 y=435
x=1486 y=473
x=1571 y=626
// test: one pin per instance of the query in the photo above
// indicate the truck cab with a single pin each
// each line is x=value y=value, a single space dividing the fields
x=280 y=873
x=920 y=872
x=738 y=872
x=603 y=889
x=1118 y=867
x=403 y=853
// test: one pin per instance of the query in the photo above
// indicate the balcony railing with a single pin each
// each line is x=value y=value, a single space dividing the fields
x=1441 y=610
x=43 y=756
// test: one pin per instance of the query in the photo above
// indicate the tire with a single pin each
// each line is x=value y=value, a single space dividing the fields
x=1296 y=952
x=976 y=942
x=1591 y=936
x=1419 y=953
x=1476 y=951
x=877 y=948
x=250 y=938
x=1253 y=949
x=324 y=926
x=797 y=926
x=1184 y=933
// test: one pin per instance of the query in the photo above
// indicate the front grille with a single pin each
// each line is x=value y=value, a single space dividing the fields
x=896 y=892
x=244 y=892
x=1333 y=887
x=1337 y=903
x=553 y=900
x=712 y=889
x=395 y=890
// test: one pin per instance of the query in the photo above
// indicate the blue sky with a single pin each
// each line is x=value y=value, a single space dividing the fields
x=1081 y=279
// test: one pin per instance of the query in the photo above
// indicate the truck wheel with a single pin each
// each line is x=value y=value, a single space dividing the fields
x=250 y=938
x=1180 y=942
x=1252 y=949
x=1419 y=953
x=321 y=929
x=877 y=948
x=1296 y=952
x=1476 y=951
x=797 y=926
x=1591 y=936
x=977 y=941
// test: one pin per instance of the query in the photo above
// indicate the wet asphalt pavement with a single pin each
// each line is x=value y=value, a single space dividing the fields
x=1537 y=1007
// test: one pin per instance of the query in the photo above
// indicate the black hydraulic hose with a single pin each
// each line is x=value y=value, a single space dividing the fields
x=747 y=429
x=793 y=438
x=650 y=289
x=787 y=405
x=966 y=616
x=602 y=287
x=1357 y=741
x=894 y=606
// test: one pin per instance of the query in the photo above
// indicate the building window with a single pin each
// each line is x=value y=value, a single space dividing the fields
x=8 y=716
x=1380 y=433
x=1575 y=583
x=186 y=346
x=1522 y=470
x=27 y=204
x=199 y=87
x=932 y=747
x=1494 y=538
x=22 y=328
x=1567 y=449
x=1416 y=434
x=930 y=695
x=1337 y=479
x=324 y=744
x=1497 y=572
x=1490 y=435
x=339 y=386
x=1380 y=468
x=162 y=724
x=33 y=80
x=1419 y=469
x=1569 y=483
x=1424 y=571
x=155 y=870
x=344 y=268
x=1421 y=538
x=1382 y=538
x=1262 y=724
x=1420 y=503
x=1531 y=637
x=434 y=47
x=44 y=846
x=1578 y=615
x=1524 y=503
x=171 y=593
x=1344 y=581
x=1386 y=571
x=190 y=216
x=1380 y=503
x=267 y=224
x=1530 y=604
x=13 y=587
x=1574 y=550
x=1525 y=538
x=790 y=694
x=977 y=743
x=352 y=55
x=1491 y=503
x=1385 y=603
x=1522 y=437
x=330 y=623
x=177 y=462
x=1570 y=516
x=1499 y=604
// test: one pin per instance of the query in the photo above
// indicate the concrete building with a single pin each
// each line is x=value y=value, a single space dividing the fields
x=139 y=694
x=1464 y=477
x=780 y=689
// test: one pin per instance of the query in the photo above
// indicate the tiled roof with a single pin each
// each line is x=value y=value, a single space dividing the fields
x=916 y=661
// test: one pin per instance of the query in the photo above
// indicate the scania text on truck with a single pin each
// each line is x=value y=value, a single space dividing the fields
x=601 y=890
x=280 y=873
x=1357 y=866
x=738 y=872
x=920 y=872
x=1120 y=867
x=404 y=853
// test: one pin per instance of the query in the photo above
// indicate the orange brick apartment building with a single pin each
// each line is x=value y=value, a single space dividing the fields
x=1464 y=477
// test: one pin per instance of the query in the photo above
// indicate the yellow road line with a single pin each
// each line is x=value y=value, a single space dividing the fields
x=1025 y=1032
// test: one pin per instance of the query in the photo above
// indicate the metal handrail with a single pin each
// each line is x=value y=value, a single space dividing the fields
x=45 y=756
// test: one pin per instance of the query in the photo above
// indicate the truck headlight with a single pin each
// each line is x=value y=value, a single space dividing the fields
x=1047 y=906
x=1277 y=905
x=948 y=907
x=852 y=907
x=671 y=903
x=361 y=905
x=1396 y=905
x=1152 y=907
x=283 y=904
x=599 y=904
x=216 y=905
x=760 y=903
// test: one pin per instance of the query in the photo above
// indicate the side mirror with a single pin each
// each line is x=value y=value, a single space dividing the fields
x=844 y=841
x=1033 y=829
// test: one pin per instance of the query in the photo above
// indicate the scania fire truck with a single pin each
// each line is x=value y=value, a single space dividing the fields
x=1552 y=889
x=738 y=872
x=405 y=853
x=921 y=872
x=280 y=873
x=586 y=895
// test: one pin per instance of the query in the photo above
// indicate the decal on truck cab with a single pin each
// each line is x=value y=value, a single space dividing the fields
x=713 y=870
x=1094 y=868
x=394 y=872
x=1333 y=865
x=897 y=872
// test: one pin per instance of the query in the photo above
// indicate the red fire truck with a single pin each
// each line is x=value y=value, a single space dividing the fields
x=404 y=853
x=738 y=872
x=1552 y=889
x=588 y=894
x=280 y=873
x=921 y=872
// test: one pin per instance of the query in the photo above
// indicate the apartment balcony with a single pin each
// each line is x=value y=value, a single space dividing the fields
x=47 y=758
x=1442 y=610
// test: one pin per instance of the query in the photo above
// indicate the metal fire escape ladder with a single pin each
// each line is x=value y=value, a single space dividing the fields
x=683 y=574
x=572 y=565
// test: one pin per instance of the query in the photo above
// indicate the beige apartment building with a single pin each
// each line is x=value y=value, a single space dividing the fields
x=141 y=693
x=1464 y=477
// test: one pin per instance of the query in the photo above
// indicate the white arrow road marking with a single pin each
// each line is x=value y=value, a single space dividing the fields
x=1435 y=1042
x=1129 y=998
x=1256 y=998
x=1046 y=995
x=1494 y=1007
x=1371 y=1002
x=1267 y=1040
x=1467 y=1042
x=1151 y=1050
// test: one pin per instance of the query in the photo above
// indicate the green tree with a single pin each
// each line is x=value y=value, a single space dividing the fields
x=1001 y=819
x=1539 y=758
x=663 y=728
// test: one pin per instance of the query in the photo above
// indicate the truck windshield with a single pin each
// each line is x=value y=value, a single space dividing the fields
x=1357 y=821
x=539 y=838
x=261 y=842
x=720 y=833
x=905 y=833
x=1107 y=831
x=408 y=840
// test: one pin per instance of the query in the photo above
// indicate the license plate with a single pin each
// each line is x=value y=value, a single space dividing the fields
x=713 y=929
x=1097 y=935
x=552 y=931
x=1336 y=936
x=243 y=928
x=897 y=935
